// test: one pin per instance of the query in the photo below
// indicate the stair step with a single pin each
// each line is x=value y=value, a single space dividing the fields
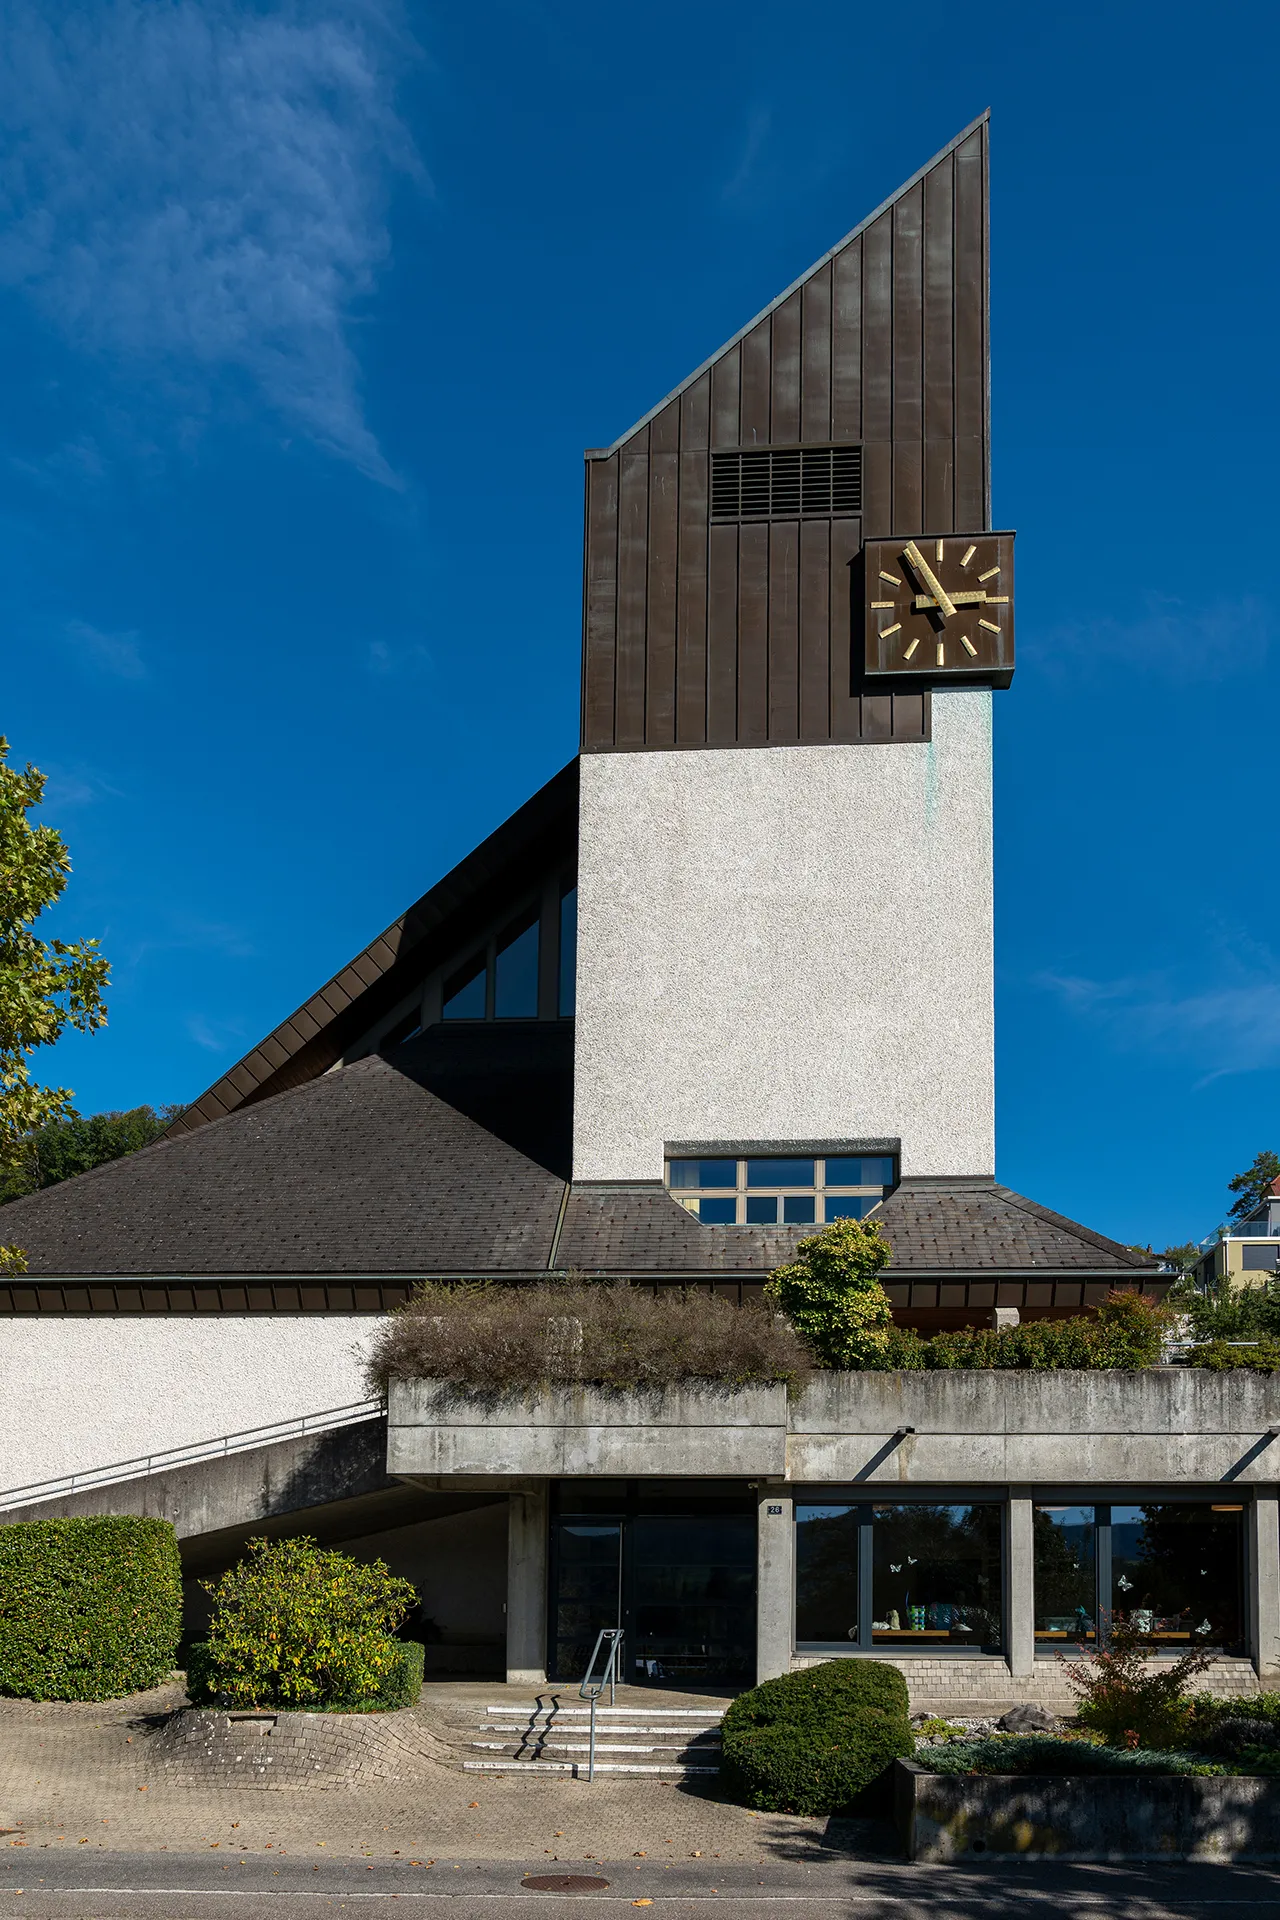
x=605 y=1732
x=584 y=1746
x=653 y=1713
x=575 y=1766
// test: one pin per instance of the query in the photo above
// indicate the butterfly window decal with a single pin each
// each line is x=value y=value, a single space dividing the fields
x=895 y=1569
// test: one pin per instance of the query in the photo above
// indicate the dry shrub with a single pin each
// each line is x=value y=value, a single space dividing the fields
x=500 y=1339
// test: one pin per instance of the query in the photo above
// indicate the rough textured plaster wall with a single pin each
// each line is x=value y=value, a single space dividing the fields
x=83 y=1393
x=788 y=943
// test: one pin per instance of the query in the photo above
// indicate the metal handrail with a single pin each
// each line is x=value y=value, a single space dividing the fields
x=591 y=1688
x=148 y=1463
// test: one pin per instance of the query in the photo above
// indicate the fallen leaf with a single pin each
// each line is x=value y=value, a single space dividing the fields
x=472 y=1803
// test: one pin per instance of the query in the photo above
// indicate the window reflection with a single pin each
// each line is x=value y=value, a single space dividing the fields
x=827 y=1574
x=515 y=990
x=936 y=1576
x=1176 y=1572
x=1065 y=1550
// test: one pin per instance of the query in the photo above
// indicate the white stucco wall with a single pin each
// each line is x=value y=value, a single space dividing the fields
x=788 y=943
x=80 y=1393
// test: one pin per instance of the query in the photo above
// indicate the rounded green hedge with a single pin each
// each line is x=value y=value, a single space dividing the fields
x=89 y=1609
x=811 y=1742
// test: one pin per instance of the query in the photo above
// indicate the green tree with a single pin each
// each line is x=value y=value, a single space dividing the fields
x=46 y=986
x=1252 y=1185
x=832 y=1293
x=78 y=1142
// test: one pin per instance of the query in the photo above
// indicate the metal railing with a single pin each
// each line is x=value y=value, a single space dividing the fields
x=592 y=1688
x=148 y=1463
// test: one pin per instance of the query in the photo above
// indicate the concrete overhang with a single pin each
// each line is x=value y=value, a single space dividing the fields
x=1163 y=1427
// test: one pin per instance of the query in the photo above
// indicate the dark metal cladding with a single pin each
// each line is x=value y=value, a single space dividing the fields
x=724 y=530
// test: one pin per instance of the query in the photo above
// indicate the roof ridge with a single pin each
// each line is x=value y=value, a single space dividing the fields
x=603 y=453
x=1073 y=1227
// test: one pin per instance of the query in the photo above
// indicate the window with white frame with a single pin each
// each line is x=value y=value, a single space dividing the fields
x=772 y=1189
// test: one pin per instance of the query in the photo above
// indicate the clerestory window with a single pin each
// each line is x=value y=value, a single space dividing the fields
x=780 y=1190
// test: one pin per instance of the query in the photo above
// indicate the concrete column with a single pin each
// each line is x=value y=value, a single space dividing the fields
x=1264 y=1585
x=527 y=1587
x=1020 y=1586
x=775 y=1581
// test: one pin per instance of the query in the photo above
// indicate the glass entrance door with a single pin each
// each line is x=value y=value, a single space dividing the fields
x=681 y=1584
x=588 y=1589
x=691 y=1594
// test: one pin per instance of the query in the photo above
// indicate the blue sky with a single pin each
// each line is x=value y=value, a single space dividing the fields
x=300 y=306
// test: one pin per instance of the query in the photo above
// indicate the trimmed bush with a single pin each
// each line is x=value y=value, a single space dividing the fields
x=296 y=1626
x=812 y=1742
x=400 y=1687
x=89 y=1609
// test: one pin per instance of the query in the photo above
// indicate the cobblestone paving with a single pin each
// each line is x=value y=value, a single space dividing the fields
x=86 y=1776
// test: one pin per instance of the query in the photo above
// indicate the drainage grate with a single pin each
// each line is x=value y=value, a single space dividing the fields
x=563 y=1883
x=786 y=483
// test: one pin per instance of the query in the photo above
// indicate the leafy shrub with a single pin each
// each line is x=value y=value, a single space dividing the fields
x=400 y=1686
x=89 y=1609
x=1037 y=1753
x=1220 y=1357
x=296 y=1626
x=501 y=1339
x=1130 y=1702
x=812 y=1742
x=831 y=1293
x=1125 y=1334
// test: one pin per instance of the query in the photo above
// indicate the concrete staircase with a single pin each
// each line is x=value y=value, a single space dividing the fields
x=546 y=1737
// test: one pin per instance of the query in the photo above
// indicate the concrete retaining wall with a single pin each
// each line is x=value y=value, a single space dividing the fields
x=1156 y=1817
x=579 y=1431
x=972 y=1686
x=1167 y=1426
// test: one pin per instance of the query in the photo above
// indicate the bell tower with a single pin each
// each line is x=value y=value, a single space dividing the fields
x=785 y=892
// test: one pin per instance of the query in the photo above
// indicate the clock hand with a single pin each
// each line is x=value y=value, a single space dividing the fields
x=916 y=560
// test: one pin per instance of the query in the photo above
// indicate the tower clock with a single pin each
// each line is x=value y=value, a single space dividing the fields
x=941 y=607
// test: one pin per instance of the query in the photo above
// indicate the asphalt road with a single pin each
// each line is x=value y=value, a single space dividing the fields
x=150 y=1886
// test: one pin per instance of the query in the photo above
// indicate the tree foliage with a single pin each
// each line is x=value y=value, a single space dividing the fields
x=78 y=1142
x=832 y=1294
x=1251 y=1186
x=46 y=986
x=295 y=1625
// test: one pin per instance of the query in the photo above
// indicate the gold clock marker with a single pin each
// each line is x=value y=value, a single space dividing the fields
x=892 y=578
x=990 y=573
x=908 y=651
x=990 y=626
x=895 y=628
x=968 y=555
x=880 y=605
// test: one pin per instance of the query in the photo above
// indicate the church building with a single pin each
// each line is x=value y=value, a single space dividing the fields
x=726 y=977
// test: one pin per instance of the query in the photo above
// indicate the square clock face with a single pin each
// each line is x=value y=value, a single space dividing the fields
x=940 y=607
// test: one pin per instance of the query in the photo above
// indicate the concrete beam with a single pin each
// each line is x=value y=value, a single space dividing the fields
x=527 y=1530
x=1264 y=1585
x=775 y=1553
x=1020 y=1620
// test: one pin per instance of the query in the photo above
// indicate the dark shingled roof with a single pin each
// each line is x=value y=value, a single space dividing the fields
x=984 y=1229
x=965 y=1228
x=361 y=1171
x=364 y=1172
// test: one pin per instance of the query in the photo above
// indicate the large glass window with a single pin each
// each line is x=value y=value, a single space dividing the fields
x=567 y=996
x=515 y=983
x=588 y=1588
x=781 y=1190
x=1176 y=1572
x=911 y=1574
x=1065 y=1565
x=1173 y=1569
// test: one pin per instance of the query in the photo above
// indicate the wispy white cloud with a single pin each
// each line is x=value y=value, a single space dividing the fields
x=198 y=189
x=387 y=660
x=1167 y=637
x=747 y=163
x=215 y=1036
x=114 y=653
x=1231 y=1026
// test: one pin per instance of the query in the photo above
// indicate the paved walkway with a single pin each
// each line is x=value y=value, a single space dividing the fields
x=78 y=1776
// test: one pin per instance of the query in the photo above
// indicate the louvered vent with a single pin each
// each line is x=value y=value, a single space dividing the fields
x=786 y=483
